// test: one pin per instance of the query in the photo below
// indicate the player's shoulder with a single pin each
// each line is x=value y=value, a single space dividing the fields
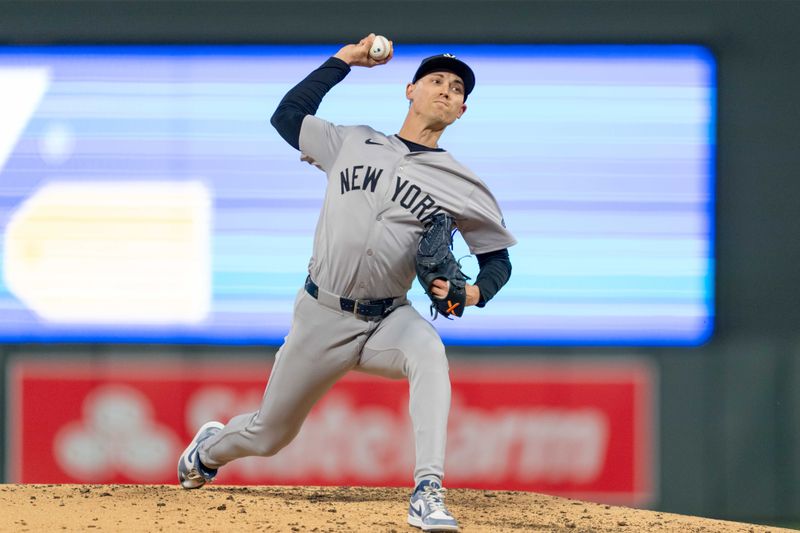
x=323 y=122
x=368 y=132
x=363 y=132
x=457 y=167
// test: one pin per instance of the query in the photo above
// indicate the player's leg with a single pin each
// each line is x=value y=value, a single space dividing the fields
x=322 y=345
x=405 y=345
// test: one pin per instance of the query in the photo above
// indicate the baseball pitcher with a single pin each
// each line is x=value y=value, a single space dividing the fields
x=389 y=201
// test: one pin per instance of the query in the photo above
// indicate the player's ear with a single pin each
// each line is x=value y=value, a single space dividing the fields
x=462 y=111
x=409 y=89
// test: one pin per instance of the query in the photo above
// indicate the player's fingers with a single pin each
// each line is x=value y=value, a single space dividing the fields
x=361 y=52
x=367 y=41
x=364 y=48
x=440 y=288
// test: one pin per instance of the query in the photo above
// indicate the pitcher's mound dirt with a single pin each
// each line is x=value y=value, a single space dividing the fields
x=318 y=509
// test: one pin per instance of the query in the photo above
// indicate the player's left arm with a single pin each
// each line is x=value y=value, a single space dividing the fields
x=495 y=271
x=482 y=225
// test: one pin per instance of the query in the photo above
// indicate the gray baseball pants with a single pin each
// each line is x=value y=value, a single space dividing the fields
x=324 y=344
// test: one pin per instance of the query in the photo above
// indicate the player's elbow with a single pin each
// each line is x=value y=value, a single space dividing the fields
x=274 y=119
x=287 y=122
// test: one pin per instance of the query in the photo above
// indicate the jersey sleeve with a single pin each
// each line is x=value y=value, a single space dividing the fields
x=482 y=223
x=320 y=140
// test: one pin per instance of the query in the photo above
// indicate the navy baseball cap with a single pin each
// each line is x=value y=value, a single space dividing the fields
x=449 y=63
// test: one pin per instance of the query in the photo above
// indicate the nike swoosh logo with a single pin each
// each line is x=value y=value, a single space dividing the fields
x=417 y=507
x=370 y=141
x=189 y=459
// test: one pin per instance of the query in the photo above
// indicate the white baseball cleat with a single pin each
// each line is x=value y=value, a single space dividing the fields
x=191 y=472
x=427 y=511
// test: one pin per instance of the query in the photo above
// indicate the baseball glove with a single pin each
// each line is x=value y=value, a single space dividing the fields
x=435 y=260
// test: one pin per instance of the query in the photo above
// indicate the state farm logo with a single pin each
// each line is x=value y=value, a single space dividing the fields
x=341 y=440
x=116 y=436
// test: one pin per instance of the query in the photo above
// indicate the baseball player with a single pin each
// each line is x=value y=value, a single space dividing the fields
x=352 y=314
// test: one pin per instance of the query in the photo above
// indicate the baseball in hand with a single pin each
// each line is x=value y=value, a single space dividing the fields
x=380 y=48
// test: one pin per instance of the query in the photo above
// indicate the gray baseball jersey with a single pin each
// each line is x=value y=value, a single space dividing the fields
x=378 y=198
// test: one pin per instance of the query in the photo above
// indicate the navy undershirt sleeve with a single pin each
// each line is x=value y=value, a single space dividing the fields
x=495 y=270
x=304 y=99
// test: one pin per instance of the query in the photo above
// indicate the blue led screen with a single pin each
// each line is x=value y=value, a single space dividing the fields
x=144 y=196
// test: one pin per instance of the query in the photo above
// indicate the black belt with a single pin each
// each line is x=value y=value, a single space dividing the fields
x=363 y=308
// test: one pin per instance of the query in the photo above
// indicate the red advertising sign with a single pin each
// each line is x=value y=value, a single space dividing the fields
x=581 y=429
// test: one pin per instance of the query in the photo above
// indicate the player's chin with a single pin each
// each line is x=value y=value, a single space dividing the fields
x=442 y=120
x=449 y=117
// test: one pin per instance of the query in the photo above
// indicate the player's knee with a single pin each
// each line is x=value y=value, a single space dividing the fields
x=430 y=357
x=267 y=450
x=269 y=447
x=267 y=440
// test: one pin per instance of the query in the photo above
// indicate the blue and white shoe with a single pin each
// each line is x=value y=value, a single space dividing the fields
x=427 y=511
x=192 y=474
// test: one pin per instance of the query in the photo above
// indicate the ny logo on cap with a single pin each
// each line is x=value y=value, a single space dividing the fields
x=449 y=55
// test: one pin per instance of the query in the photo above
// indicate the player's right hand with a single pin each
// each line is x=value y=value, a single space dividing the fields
x=357 y=55
x=439 y=288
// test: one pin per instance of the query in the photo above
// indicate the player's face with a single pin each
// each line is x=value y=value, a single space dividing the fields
x=438 y=97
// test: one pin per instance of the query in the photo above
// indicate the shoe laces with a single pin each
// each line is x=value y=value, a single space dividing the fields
x=434 y=497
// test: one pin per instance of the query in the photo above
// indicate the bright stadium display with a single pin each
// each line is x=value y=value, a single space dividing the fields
x=145 y=197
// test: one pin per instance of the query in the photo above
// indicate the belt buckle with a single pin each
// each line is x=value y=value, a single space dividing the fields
x=355 y=308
